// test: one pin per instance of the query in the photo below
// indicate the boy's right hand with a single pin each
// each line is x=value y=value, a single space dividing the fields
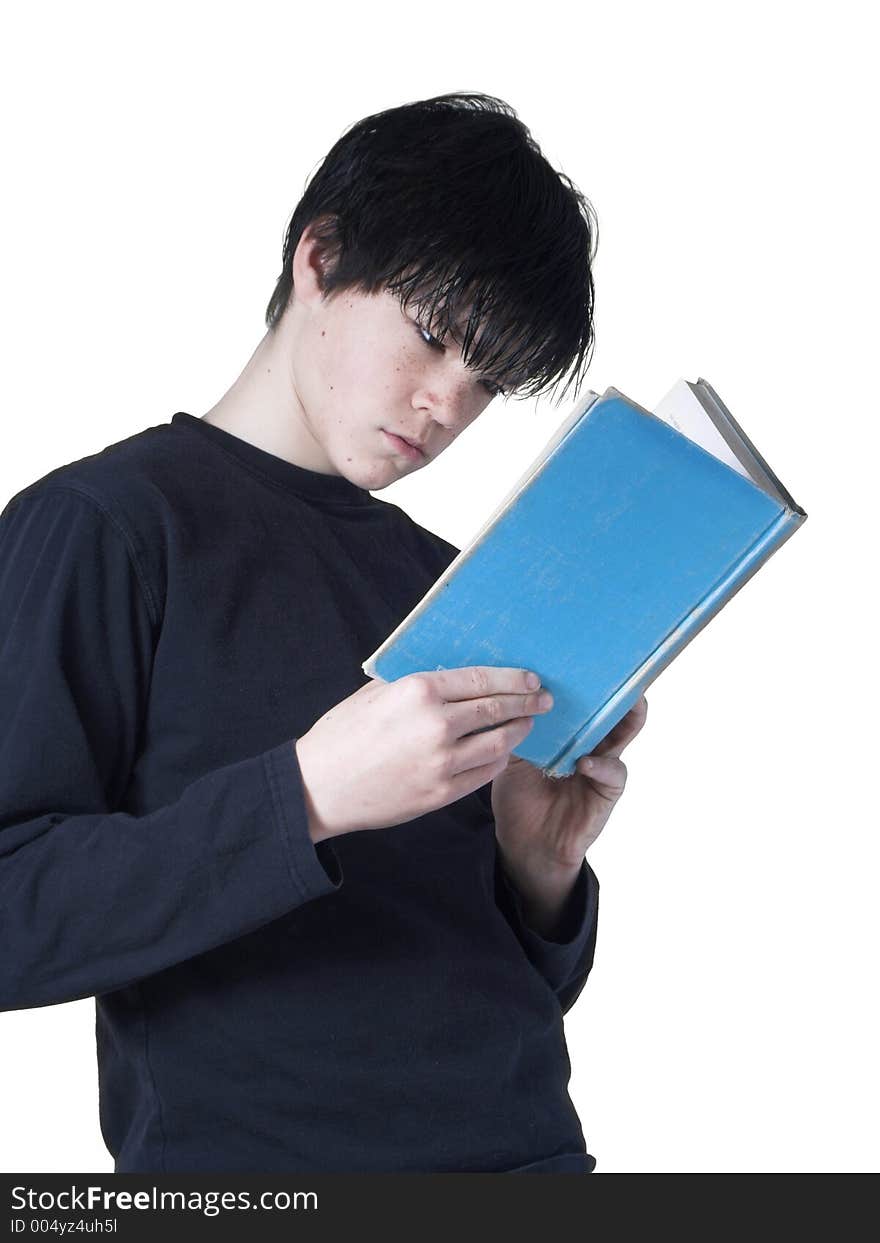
x=393 y=751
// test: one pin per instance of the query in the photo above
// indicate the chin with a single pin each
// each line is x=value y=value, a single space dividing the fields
x=372 y=477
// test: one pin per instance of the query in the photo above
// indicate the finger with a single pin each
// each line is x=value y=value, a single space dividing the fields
x=625 y=730
x=489 y=746
x=471 y=779
x=606 y=772
x=478 y=681
x=469 y=715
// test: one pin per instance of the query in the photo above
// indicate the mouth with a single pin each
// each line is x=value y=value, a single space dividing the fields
x=409 y=450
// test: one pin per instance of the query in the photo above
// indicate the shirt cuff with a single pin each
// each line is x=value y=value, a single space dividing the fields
x=569 y=955
x=314 y=866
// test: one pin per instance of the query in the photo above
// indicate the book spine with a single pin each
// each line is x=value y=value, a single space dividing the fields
x=616 y=707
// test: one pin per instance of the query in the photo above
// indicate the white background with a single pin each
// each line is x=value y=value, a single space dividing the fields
x=152 y=159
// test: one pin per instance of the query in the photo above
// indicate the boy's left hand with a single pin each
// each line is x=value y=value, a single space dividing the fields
x=544 y=825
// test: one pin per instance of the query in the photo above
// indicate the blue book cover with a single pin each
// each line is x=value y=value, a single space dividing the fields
x=629 y=532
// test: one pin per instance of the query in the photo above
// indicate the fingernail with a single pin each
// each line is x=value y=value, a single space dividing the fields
x=545 y=700
x=533 y=681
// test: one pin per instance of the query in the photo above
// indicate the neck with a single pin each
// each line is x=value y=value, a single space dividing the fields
x=263 y=406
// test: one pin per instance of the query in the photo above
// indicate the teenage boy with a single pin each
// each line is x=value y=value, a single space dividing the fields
x=329 y=924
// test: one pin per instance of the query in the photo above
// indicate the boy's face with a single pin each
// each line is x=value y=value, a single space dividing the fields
x=363 y=374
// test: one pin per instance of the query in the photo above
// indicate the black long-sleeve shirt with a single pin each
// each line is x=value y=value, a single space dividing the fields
x=175 y=611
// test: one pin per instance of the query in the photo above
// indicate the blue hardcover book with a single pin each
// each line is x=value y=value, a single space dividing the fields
x=628 y=533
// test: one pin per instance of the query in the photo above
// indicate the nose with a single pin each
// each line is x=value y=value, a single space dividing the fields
x=450 y=398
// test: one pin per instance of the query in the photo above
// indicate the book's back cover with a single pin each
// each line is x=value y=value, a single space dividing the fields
x=625 y=529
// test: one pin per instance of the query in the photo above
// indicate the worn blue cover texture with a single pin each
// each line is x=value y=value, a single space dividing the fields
x=625 y=543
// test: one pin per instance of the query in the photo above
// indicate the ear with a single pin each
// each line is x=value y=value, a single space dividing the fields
x=312 y=260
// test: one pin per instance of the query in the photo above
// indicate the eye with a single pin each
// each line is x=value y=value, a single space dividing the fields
x=428 y=338
x=493 y=389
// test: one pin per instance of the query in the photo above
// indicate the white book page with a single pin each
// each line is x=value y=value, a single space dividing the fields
x=682 y=410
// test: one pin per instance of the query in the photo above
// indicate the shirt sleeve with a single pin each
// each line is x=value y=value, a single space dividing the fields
x=93 y=898
x=566 y=961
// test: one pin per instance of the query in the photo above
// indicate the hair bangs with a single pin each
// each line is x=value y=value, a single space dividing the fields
x=526 y=345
